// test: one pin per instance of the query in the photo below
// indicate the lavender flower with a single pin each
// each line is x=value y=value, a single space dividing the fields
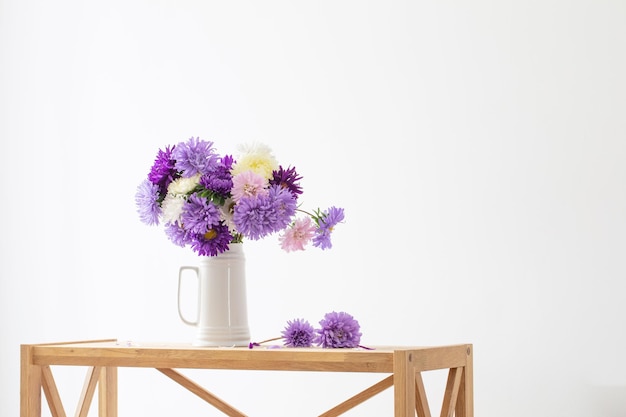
x=146 y=199
x=298 y=333
x=339 y=330
x=327 y=221
x=195 y=157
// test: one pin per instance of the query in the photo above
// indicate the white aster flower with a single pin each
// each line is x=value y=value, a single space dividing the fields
x=183 y=186
x=172 y=208
x=255 y=157
x=227 y=212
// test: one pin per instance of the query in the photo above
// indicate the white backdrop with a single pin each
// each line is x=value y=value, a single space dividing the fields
x=477 y=147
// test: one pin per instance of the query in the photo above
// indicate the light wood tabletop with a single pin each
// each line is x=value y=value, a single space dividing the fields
x=404 y=364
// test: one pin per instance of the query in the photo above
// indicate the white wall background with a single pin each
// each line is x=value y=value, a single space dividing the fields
x=477 y=147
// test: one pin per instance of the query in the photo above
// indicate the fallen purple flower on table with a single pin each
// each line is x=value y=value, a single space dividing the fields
x=298 y=333
x=339 y=330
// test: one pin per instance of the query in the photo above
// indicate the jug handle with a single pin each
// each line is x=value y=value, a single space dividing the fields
x=180 y=277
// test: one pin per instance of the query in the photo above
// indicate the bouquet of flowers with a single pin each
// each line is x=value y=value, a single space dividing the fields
x=208 y=201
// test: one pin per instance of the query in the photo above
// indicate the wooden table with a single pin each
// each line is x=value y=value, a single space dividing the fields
x=102 y=358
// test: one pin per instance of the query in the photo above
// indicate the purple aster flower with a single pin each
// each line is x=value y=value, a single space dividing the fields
x=195 y=157
x=298 y=333
x=199 y=214
x=163 y=171
x=284 y=205
x=177 y=234
x=258 y=216
x=220 y=180
x=146 y=199
x=327 y=221
x=339 y=330
x=287 y=178
x=213 y=242
x=227 y=162
x=254 y=216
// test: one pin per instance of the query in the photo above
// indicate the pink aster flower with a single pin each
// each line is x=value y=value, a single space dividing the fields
x=248 y=184
x=298 y=235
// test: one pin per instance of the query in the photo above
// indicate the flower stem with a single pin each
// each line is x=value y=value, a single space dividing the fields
x=305 y=212
x=253 y=344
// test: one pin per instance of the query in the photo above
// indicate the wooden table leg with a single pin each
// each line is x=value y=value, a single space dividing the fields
x=51 y=392
x=403 y=384
x=465 y=401
x=421 y=401
x=30 y=384
x=107 y=392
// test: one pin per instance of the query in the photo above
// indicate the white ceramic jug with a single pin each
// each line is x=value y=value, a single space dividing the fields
x=222 y=312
